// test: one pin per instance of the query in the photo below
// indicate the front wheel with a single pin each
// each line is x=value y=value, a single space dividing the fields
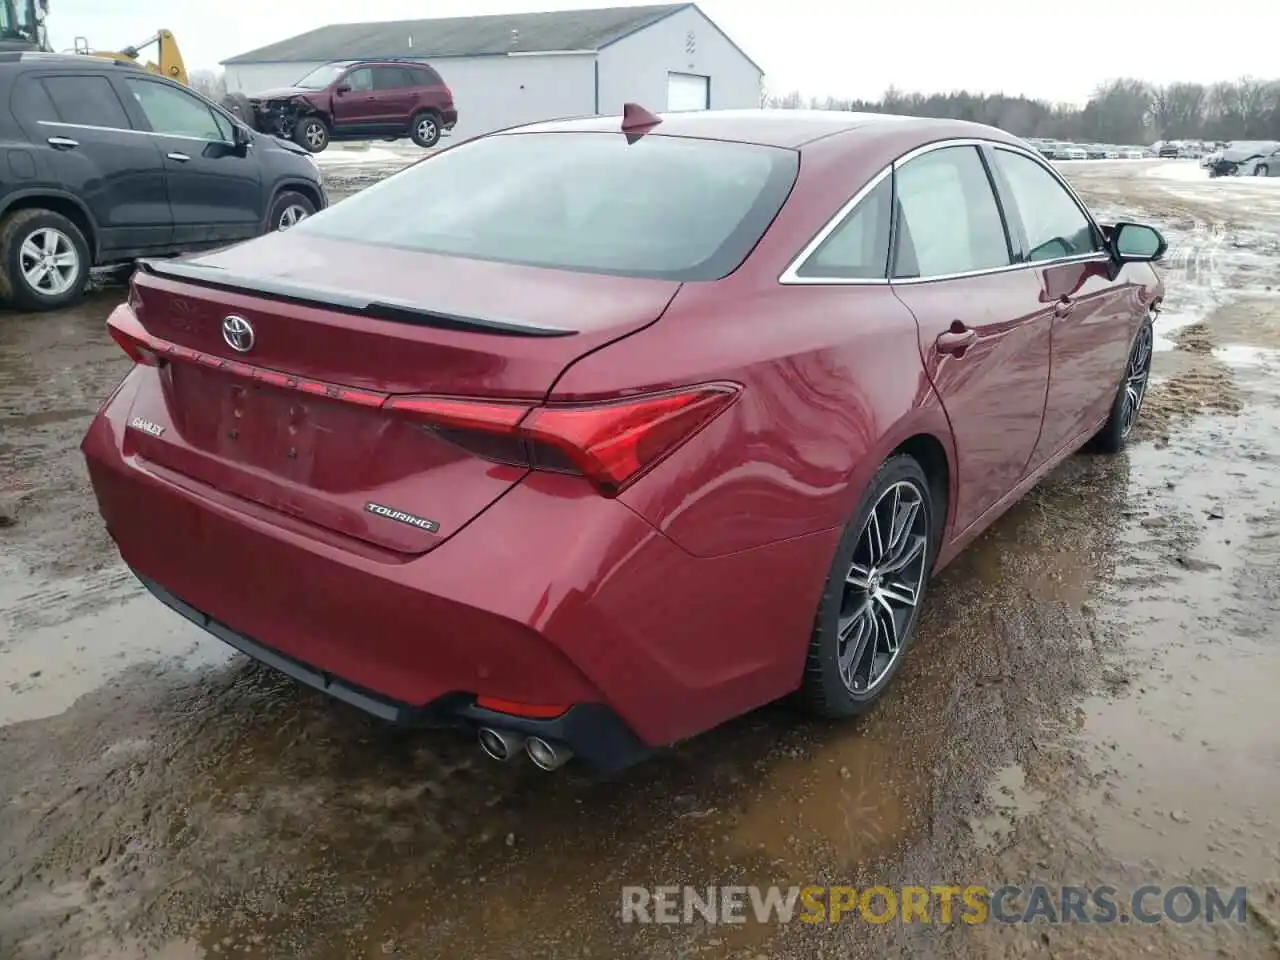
x=312 y=133
x=289 y=209
x=44 y=260
x=868 y=612
x=425 y=130
x=1133 y=390
x=1261 y=170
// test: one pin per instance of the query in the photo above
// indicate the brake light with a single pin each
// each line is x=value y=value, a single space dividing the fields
x=612 y=444
x=128 y=332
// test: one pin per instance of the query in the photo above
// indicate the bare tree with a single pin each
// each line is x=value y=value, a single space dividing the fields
x=211 y=83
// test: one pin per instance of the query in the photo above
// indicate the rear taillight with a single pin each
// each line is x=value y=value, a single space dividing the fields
x=611 y=444
x=127 y=330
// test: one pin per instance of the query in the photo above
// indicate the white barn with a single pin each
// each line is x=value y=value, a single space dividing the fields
x=519 y=68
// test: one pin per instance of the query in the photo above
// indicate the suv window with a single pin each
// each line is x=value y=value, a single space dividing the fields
x=663 y=207
x=1054 y=223
x=948 y=221
x=858 y=249
x=359 y=80
x=426 y=77
x=391 y=78
x=171 y=111
x=87 y=100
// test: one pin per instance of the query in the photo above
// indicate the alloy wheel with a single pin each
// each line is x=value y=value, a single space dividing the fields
x=1136 y=377
x=49 y=261
x=426 y=130
x=315 y=135
x=883 y=587
x=291 y=215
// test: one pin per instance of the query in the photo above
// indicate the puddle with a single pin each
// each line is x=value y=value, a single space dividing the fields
x=62 y=640
x=1011 y=799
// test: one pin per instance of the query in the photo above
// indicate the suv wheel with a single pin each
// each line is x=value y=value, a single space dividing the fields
x=425 y=129
x=1261 y=170
x=290 y=208
x=311 y=133
x=44 y=260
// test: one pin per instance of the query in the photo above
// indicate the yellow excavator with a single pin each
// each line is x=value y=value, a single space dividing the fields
x=168 y=57
x=22 y=27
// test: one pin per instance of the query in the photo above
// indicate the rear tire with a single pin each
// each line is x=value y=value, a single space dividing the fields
x=311 y=133
x=1262 y=170
x=44 y=260
x=425 y=129
x=877 y=579
x=1126 y=406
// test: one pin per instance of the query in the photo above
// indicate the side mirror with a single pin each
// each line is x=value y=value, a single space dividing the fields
x=1137 y=243
x=342 y=88
x=240 y=138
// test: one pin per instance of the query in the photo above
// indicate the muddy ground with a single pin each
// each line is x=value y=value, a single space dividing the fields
x=1090 y=701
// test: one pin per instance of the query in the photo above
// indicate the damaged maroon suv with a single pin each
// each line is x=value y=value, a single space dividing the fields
x=355 y=100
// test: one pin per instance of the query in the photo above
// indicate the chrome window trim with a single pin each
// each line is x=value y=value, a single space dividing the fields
x=141 y=133
x=791 y=275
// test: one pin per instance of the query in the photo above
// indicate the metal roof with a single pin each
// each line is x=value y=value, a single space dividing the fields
x=464 y=36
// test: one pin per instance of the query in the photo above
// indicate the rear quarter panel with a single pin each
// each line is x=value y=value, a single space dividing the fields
x=832 y=378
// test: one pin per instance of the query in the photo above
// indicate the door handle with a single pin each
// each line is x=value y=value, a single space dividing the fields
x=1063 y=307
x=956 y=340
x=180 y=157
x=63 y=143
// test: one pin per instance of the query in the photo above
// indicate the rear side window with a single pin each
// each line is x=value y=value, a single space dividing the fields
x=86 y=100
x=426 y=77
x=948 y=221
x=1054 y=223
x=391 y=78
x=663 y=207
x=858 y=249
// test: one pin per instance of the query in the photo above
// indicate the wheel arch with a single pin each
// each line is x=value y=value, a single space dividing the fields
x=60 y=202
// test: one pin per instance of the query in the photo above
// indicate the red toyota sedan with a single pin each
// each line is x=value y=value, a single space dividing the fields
x=590 y=435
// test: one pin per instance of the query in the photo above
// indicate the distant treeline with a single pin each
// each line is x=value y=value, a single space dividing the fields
x=1122 y=111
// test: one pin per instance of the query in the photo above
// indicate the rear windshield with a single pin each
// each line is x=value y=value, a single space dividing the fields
x=663 y=207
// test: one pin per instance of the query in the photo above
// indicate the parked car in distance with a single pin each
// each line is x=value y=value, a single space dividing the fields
x=1169 y=151
x=1071 y=151
x=108 y=162
x=1095 y=151
x=544 y=464
x=357 y=100
x=1133 y=153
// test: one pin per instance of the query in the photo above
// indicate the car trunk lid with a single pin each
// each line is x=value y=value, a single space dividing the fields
x=291 y=416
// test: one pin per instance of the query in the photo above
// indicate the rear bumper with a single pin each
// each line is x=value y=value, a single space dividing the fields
x=592 y=731
x=552 y=595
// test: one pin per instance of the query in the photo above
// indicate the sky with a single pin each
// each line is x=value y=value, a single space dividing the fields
x=1058 y=51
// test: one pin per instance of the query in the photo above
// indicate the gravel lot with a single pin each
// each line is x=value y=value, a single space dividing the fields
x=1086 y=703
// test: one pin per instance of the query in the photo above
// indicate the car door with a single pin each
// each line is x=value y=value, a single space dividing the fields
x=1092 y=308
x=984 y=337
x=215 y=189
x=89 y=148
x=355 y=106
x=394 y=96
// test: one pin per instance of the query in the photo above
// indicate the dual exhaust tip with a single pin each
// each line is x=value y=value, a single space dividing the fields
x=503 y=745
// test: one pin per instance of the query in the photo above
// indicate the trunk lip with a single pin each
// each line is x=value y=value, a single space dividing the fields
x=217 y=278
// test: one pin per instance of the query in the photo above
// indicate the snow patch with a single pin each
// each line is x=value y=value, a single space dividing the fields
x=1243 y=355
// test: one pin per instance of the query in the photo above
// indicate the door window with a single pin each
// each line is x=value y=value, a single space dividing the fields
x=858 y=249
x=391 y=78
x=948 y=221
x=87 y=100
x=1055 y=225
x=360 y=80
x=171 y=111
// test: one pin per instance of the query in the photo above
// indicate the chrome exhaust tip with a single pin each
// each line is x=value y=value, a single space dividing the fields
x=498 y=744
x=545 y=755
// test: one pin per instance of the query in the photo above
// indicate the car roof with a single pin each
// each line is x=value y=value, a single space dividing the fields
x=63 y=60
x=778 y=128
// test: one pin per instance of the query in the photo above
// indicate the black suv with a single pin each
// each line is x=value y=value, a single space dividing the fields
x=106 y=162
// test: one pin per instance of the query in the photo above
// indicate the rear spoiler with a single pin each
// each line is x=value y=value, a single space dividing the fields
x=346 y=301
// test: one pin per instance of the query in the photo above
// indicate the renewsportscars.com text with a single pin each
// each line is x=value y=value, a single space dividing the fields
x=937 y=904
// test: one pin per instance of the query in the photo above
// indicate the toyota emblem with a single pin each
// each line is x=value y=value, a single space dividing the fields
x=238 y=333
